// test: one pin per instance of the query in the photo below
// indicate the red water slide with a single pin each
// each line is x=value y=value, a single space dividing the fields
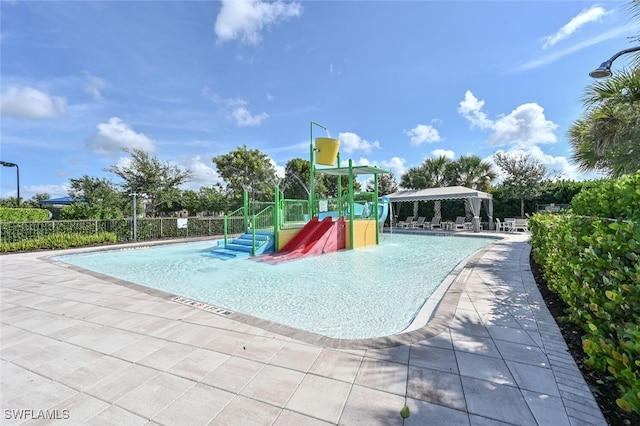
x=315 y=238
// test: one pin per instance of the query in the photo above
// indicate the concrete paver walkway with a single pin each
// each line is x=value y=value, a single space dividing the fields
x=94 y=350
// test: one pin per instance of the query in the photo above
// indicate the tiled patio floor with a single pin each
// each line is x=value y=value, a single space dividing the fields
x=104 y=353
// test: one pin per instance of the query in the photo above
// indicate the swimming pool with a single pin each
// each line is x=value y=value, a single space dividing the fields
x=370 y=292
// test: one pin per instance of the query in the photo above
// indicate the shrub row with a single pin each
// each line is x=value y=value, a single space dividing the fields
x=23 y=215
x=147 y=229
x=59 y=241
x=594 y=265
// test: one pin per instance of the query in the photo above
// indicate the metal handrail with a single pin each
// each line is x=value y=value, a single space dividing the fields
x=254 y=226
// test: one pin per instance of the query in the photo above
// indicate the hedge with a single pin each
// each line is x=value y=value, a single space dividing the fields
x=591 y=258
x=59 y=241
x=23 y=215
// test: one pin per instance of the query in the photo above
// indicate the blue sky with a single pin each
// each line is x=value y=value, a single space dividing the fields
x=395 y=81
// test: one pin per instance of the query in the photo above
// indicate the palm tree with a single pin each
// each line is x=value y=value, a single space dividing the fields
x=473 y=172
x=605 y=139
x=432 y=173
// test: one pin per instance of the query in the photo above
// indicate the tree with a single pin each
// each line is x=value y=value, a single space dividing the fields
x=330 y=185
x=151 y=178
x=95 y=198
x=41 y=196
x=247 y=169
x=213 y=199
x=295 y=184
x=523 y=176
x=387 y=184
x=605 y=138
x=33 y=202
x=472 y=172
x=432 y=173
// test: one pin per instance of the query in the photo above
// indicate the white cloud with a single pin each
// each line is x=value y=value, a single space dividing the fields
x=471 y=109
x=524 y=127
x=593 y=14
x=115 y=135
x=614 y=33
x=244 y=20
x=280 y=170
x=236 y=109
x=351 y=142
x=423 y=133
x=27 y=102
x=54 y=191
x=243 y=117
x=203 y=171
x=557 y=166
x=94 y=86
x=447 y=153
x=397 y=165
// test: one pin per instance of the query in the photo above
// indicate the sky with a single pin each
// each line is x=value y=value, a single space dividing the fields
x=396 y=81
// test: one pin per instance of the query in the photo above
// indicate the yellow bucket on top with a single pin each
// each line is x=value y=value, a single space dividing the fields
x=327 y=151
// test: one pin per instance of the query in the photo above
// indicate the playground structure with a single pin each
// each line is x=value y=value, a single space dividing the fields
x=288 y=229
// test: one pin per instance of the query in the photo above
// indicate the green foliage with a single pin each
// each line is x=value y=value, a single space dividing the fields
x=97 y=199
x=523 y=176
x=594 y=265
x=82 y=211
x=153 y=179
x=23 y=215
x=247 y=169
x=611 y=198
x=295 y=184
x=148 y=229
x=605 y=138
x=58 y=241
x=387 y=184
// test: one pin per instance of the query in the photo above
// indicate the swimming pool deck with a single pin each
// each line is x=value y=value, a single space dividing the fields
x=103 y=352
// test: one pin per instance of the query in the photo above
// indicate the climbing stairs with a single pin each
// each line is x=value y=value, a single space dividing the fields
x=241 y=247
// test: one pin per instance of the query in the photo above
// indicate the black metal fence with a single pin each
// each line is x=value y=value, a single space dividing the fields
x=147 y=229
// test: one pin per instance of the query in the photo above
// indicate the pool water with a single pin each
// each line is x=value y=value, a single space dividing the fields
x=370 y=292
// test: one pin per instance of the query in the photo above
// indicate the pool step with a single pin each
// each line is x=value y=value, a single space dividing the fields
x=241 y=247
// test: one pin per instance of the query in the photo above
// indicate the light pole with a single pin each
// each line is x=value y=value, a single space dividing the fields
x=8 y=164
x=604 y=70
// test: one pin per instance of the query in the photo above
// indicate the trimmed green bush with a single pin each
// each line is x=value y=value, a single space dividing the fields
x=594 y=265
x=23 y=215
x=59 y=241
x=617 y=199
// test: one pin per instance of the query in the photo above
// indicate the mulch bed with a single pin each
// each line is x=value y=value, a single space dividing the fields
x=604 y=391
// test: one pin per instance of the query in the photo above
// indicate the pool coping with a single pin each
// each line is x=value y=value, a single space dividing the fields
x=431 y=319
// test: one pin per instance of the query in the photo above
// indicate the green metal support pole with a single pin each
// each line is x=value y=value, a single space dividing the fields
x=340 y=210
x=312 y=173
x=375 y=206
x=245 y=210
x=351 y=216
x=276 y=219
x=225 y=230
x=253 y=235
x=312 y=169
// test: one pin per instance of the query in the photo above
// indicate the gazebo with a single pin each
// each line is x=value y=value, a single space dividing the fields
x=474 y=196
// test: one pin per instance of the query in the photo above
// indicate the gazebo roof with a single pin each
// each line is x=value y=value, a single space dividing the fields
x=60 y=201
x=443 y=193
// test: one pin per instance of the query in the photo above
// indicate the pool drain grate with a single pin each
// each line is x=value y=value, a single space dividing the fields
x=201 y=305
